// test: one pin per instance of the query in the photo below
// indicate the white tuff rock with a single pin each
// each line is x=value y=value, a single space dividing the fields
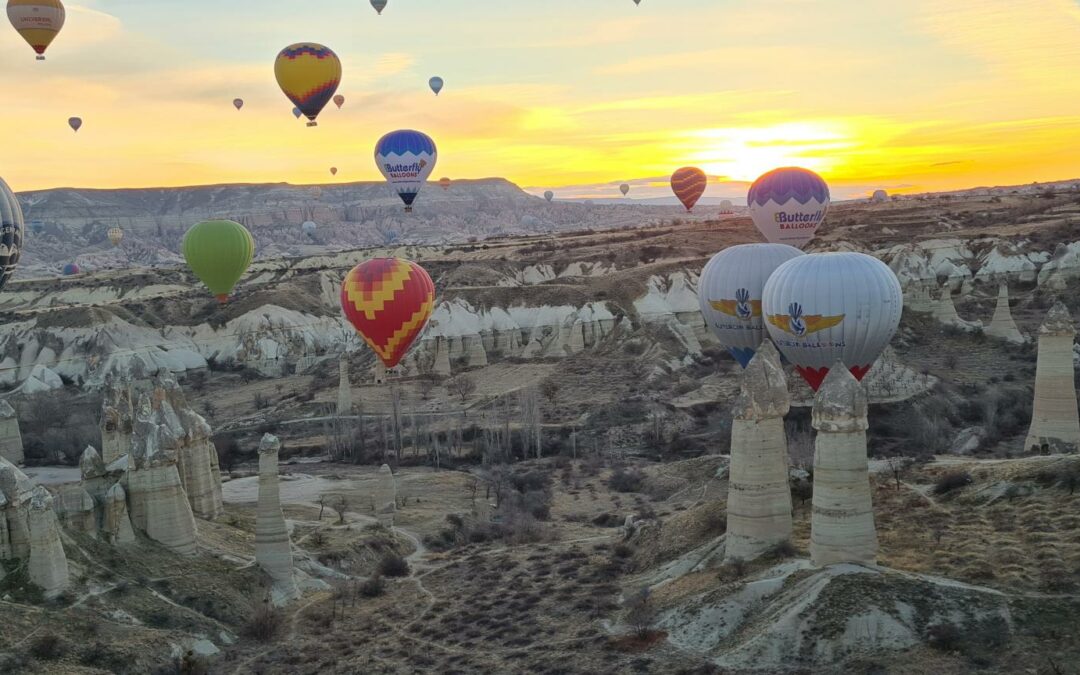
x=273 y=550
x=1002 y=325
x=385 y=496
x=48 y=566
x=117 y=523
x=1055 y=426
x=842 y=525
x=11 y=445
x=344 y=396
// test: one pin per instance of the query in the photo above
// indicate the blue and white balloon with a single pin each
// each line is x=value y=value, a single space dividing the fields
x=436 y=84
x=406 y=158
x=788 y=205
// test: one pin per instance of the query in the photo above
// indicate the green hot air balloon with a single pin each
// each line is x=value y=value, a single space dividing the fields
x=219 y=252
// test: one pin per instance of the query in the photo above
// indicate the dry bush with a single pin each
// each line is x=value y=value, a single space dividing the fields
x=393 y=565
x=265 y=623
x=626 y=480
x=48 y=647
x=953 y=480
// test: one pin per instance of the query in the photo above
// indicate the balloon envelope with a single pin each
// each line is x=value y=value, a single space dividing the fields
x=308 y=74
x=297 y=112
x=829 y=307
x=71 y=269
x=339 y=100
x=444 y=183
x=37 y=21
x=219 y=252
x=238 y=103
x=379 y=5
x=688 y=184
x=333 y=171
x=388 y=301
x=549 y=195
x=116 y=235
x=788 y=205
x=75 y=123
x=726 y=207
x=12 y=231
x=729 y=293
x=406 y=158
x=624 y=189
x=436 y=84
x=309 y=227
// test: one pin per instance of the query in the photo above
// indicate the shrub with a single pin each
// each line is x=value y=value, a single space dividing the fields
x=48 y=647
x=630 y=480
x=265 y=623
x=953 y=480
x=373 y=587
x=393 y=565
x=944 y=637
x=781 y=551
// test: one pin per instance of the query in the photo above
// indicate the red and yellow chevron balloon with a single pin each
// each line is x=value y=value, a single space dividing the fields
x=308 y=74
x=388 y=301
x=688 y=184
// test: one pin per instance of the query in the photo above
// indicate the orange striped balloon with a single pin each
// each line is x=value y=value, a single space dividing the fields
x=688 y=184
x=388 y=301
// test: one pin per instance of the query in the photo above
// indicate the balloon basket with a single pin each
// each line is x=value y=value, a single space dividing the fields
x=40 y=57
x=223 y=298
x=313 y=123
x=408 y=209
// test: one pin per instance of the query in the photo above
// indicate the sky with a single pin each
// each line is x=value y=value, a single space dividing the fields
x=577 y=96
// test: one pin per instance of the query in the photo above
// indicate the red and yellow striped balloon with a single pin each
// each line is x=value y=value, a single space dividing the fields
x=688 y=184
x=388 y=301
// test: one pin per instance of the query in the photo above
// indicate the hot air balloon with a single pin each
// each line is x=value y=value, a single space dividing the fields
x=37 y=226
x=826 y=307
x=436 y=84
x=637 y=2
x=726 y=207
x=219 y=252
x=308 y=74
x=71 y=269
x=549 y=195
x=388 y=301
x=688 y=184
x=333 y=171
x=444 y=183
x=37 y=21
x=729 y=293
x=406 y=158
x=339 y=100
x=879 y=197
x=238 y=103
x=12 y=230
x=309 y=227
x=379 y=5
x=297 y=112
x=788 y=205
x=116 y=235
x=75 y=123
x=624 y=189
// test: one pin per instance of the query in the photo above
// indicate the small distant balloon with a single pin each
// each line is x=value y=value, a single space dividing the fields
x=309 y=75
x=116 y=235
x=238 y=103
x=436 y=84
x=75 y=123
x=624 y=189
x=339 y=100
x=444 y=183
x=726 y=207
x=71 y=269
x=37 y=21
x=333 y=171
x=549 y=195
x=379 y=5
x=688 y=184
x=637 y=2
x=297 y=113
x=309 y=227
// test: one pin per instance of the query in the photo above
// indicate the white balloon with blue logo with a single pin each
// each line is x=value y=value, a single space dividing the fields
x=729 y=293
x=406 y=159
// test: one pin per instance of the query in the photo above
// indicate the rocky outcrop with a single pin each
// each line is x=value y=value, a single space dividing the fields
x=1055 y=426
x=1002 y=325
x=945 y=312
x=76 y=509
x=475 y=353
x=192 y=445
x=11 y=445
x=842 y=525
x=385 y=496
x=117 y=420
x=273 y=550
x=15 y=489
x=441 y=366
x=47 y=566
x=159 y=505
x=759 y=499
x=116 y=521
x=344 y=396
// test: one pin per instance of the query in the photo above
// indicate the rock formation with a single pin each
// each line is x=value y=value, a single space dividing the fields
x=1002 y=325
x=378 y=372
x=47 y=567
x=76 y=508
x=385 y=496
x=842 y=525
x=273 y=551
x=11 y=447
x=475 y=352
x=442 y=358
x=117 y=523
x=759 y=499
x=159 y=505
x=344 y=395
x=945 y=312
x=117 y=420
x=1054 y=422
x=15 y=491
x=196 y=455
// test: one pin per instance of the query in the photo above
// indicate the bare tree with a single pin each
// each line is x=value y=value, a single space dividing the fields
x=550 y=390
x=640 y=613
x=341 y=505
x=341 y=435
x=898 y=467
x=462 y=385
x=322 y=505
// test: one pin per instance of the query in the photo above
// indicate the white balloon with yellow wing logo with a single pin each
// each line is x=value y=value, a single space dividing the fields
x=729 y=293
x=829 y=307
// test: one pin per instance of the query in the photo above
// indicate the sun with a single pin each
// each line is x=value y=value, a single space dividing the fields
x=744 y=153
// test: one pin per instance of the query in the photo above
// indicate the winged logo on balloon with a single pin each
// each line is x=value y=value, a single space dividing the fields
x=795 y=323
x=741 y=307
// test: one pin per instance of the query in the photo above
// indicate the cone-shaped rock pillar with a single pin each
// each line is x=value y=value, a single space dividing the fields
x=1055 y=426
x=759 y=499
x=385 y=496
x=1002 y=325
x=11 y=445
x=344 y=396
x=48 y=567
x=475 y=351
x=273 y=551
x=441 y=366
x=378 y=372
x=842 y=526
x=117 y=421
x=117 y=522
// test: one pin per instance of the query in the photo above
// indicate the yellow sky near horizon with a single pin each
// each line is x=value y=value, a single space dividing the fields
x=930 y=95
